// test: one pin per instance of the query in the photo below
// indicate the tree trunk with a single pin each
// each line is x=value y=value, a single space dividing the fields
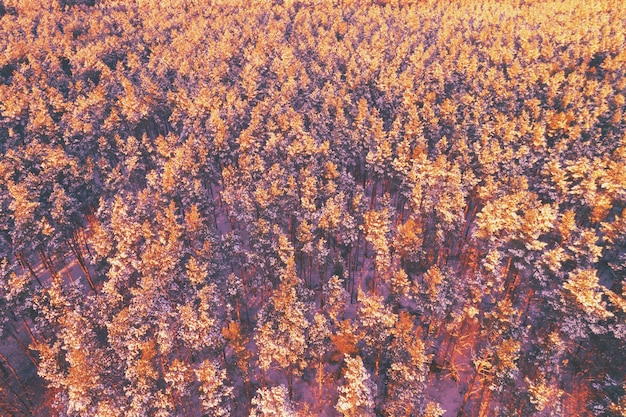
x=320 y=380
x=24 y=262
x=84 y=240
x=468 y=394
x=373 y=196
x=485 y=398
x=30 y=332
x=290 y=381
x=12 y=370
x=81 y=262
x=47 y=263
x=24 y=348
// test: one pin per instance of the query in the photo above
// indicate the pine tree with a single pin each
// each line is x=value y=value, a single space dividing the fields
x=281 y=327
x=356 y=395
x=335 y=299
x=407 y=372
x=318 y=345
x=376 y=322
x=272 y=402
x=215 y=394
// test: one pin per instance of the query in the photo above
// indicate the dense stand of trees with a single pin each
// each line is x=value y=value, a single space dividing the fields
x=293 y=208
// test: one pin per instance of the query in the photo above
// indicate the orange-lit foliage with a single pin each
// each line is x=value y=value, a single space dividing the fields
x=202 y=203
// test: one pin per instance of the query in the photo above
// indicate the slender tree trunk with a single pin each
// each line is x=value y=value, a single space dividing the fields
x=375 y=278
x=24 y=262
x=84 y=240
x=47 y=263
x=486 y=398
x=81 y=262
x=24 y=348
x=507 y=268
x=364 y=174
x=359 y=286
x=214 y=207
x=355 y=260
x=12 y=370
x=246 y=387
x=238 y=309
x=310 y=271
x=511 y=285
x=290 y=381
x=466 y=397
x=373 y=197
x=377 y=365
x=320 y=380
x=526 y=306
x=468 y=393
x=347 y=277
x=292 y=229
x=29 y=331
x=246 y=299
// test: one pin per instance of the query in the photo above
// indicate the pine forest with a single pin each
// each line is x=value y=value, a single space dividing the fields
x=281 y=208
